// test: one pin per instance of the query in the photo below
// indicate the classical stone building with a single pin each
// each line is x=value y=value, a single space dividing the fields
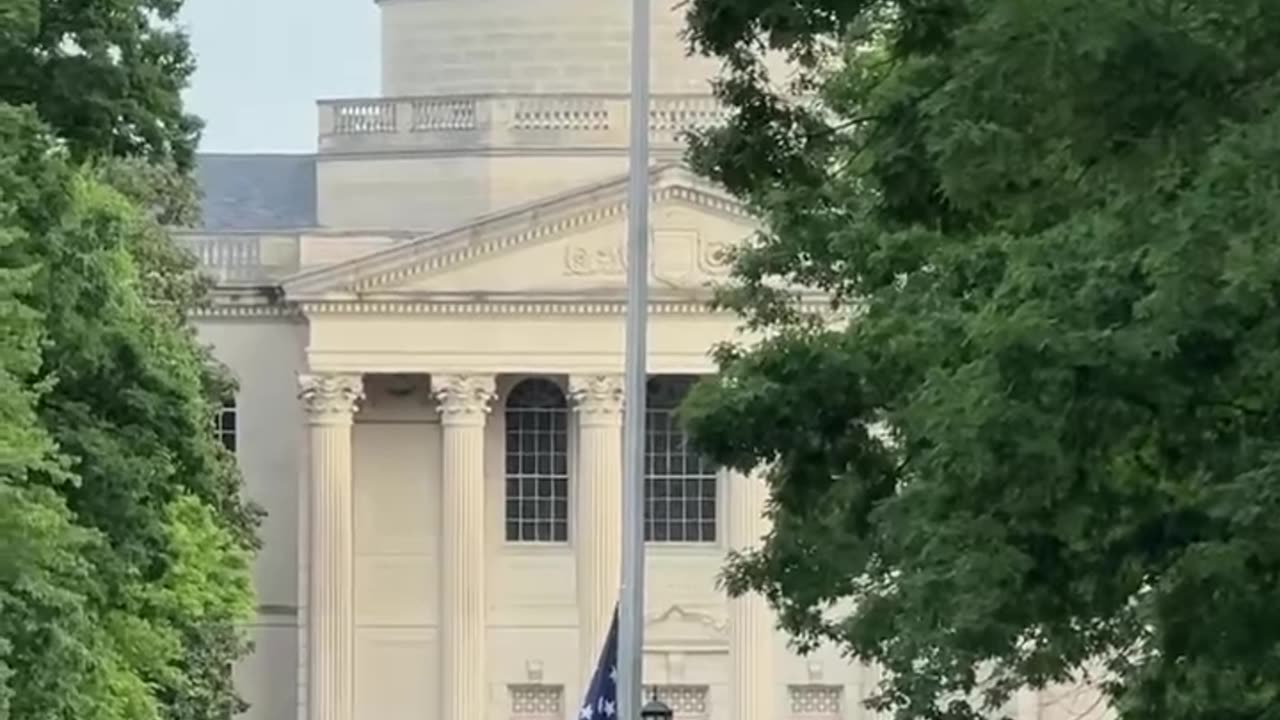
x=426 y=322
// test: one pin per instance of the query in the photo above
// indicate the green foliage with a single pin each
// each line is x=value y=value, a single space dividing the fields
x=107 y=75
x=1043 y=434
x=124 y=543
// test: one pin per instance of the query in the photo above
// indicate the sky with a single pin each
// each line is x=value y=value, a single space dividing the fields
x=262 y=64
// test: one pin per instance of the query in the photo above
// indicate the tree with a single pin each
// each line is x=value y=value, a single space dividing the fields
x=125 y=586
x=55 y=658
x=130 y=542
x=38 y=542
x=107 y=75
x=1032 y=426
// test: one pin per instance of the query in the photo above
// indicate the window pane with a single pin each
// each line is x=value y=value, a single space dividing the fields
x=224 y=425
x=680 y=485
x=536 y=462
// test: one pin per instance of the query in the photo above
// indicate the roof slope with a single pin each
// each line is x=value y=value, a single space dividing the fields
x=256 y=191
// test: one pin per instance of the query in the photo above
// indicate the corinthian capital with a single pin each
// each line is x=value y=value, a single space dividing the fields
x=463 y=398
x=597 y=396
x=329 y=396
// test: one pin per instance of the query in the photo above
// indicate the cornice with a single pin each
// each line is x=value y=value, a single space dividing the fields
x=298 y=311
x=245 y=311
x=538 y=306
x=660 y=153
x=219 y=310
x=246 y=301
x=504 y=307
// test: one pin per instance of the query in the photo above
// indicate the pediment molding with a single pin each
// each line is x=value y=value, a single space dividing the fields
x=544 y=220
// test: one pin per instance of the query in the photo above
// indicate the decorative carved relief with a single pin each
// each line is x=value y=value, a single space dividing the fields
x=330 y=395
x=674 y=257
x=463 y=395
x=713 y=256
x=676 y=621
x=588 y=259
x=597 y=394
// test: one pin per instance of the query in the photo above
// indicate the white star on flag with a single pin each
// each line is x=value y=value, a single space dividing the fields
x=601 y=699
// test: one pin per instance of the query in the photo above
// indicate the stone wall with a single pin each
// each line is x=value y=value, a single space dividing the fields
x=527 y=46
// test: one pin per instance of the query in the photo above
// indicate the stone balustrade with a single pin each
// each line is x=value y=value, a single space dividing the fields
x=451 y=123
x=241 y=258
x=252 y=258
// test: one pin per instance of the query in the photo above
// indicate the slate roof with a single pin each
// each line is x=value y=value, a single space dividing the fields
x=256 y=191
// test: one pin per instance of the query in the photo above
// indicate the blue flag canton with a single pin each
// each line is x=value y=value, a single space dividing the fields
x=601 y=702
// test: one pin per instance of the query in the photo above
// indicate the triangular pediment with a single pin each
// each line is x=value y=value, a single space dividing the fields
x=573 y=244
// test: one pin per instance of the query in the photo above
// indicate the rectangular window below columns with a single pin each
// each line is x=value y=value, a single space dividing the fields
x=816 y=702
x=536 y=702
x=688 y=702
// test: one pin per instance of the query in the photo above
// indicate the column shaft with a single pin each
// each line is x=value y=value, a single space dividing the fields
x=1027 y=704
x=463 y=402
x=598 y=527
x=752 y=682
x=330 y=401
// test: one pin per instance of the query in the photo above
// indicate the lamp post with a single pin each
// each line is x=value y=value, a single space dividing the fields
x=631 y=599
x=655 y=709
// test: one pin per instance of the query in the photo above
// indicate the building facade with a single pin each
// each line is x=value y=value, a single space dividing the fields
x=426 y=322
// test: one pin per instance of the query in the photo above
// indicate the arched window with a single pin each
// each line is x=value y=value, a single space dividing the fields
x=224 y=424
x=537 y=463
x=679 y=484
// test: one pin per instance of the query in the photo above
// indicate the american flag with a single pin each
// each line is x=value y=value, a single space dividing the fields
x=601 y=702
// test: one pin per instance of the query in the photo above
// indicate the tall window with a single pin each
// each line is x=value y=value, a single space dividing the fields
x=537 y=463
x=224 y=424
x=679 y=484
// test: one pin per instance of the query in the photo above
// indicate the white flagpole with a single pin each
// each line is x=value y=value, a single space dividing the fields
x=631 y=607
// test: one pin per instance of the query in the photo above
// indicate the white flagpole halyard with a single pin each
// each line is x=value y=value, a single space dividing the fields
x=631 y=601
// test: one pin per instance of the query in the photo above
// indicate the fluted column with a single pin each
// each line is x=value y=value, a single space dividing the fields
x=330 y=401
x=598 y=530
x=751 y=680
x=463 y=401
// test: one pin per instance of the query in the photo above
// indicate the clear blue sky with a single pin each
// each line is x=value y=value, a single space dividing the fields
x=262 y=64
